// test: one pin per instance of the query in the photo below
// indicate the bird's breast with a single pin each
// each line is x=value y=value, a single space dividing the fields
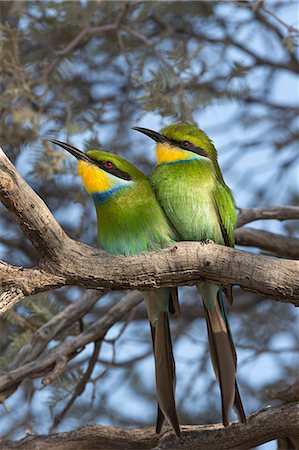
x=185 y=191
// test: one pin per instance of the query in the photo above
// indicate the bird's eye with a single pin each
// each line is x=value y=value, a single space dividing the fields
x=187 y=144
x=108 y=165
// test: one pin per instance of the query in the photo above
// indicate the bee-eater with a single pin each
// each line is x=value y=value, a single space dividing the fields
x=130 y=221
x=190 y=188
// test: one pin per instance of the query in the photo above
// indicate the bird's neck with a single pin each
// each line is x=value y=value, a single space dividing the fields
x=101 y=196
x=168 y=154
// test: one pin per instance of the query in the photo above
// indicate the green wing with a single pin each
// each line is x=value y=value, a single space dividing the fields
x=225 y=206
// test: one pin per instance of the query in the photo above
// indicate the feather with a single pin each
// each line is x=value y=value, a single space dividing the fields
x=158 y=304
x=222 y=350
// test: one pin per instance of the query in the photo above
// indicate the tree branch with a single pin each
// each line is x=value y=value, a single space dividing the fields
x=67 y=262
x=81 y=37
x=269 y=213
x=264 y=426
x=60 y=322
x=53 y=362
x=272 y=242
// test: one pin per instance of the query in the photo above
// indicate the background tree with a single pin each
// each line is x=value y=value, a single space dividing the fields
x=84 y=73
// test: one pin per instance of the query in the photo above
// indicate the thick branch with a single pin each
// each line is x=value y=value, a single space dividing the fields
x=20 y=282
x=28 y=209
x=67 y=262
x=182 y=264
x=269 y=424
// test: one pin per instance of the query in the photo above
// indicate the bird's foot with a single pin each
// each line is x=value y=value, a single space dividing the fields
x=207 y=241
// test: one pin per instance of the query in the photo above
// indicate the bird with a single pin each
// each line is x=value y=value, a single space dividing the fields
x=189 y=186
x=130 y=221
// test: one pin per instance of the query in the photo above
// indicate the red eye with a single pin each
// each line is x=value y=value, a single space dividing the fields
x=187 y=143
x=108 y=165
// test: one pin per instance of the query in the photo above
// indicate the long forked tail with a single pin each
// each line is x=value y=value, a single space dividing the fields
x=159 y=305
x=222 y=349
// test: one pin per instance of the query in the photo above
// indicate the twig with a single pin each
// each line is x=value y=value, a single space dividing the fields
x=67 y=349
x=57 y=324
x=269 y=213
x=79 y=38
x=80 y=387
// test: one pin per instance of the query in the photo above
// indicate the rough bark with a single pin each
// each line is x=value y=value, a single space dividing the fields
x=264 y=426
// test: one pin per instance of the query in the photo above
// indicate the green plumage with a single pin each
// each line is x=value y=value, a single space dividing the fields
x=196 y=202
x=130 y=221
x=190 y=188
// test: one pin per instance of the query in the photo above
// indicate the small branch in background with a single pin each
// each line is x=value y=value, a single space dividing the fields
x=86 y=33
x=56 y=359
x=275 y=243
x=56 y=325
x=267 y=213
x=288 y=395
x=80 y=387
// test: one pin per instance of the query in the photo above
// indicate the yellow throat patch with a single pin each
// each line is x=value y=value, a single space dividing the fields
x=94 y=179
x=166 y=153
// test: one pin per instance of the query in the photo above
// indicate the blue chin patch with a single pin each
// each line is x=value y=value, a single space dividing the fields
x=100 y=197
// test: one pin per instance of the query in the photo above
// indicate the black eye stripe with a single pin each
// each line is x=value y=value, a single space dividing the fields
x=186 y=145
x=113 y=169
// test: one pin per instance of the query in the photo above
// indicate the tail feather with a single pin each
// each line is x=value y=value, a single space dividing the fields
x=174 y=306
x=222 y=349
x=160 y=416
x=223 y=361
x=160 y=420
x=239 y=405
x=163 y=354
x=165 y=372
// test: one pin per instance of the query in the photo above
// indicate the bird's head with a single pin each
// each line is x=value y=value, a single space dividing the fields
x=101 y=171
x=181 y=142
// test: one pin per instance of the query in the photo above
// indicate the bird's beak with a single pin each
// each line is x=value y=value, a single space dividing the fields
x=73 y=151
x=152 y=134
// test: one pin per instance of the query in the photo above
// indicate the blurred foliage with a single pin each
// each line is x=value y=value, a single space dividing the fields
x=84 y=72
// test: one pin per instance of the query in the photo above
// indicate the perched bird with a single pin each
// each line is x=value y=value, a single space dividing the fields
x=130 y=221
x=190 y=188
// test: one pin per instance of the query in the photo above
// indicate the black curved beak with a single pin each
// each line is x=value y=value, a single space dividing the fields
x=152 y=134
x=72 y=150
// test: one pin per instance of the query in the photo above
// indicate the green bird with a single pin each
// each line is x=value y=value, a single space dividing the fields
x=130 y=222
x=190 y=188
